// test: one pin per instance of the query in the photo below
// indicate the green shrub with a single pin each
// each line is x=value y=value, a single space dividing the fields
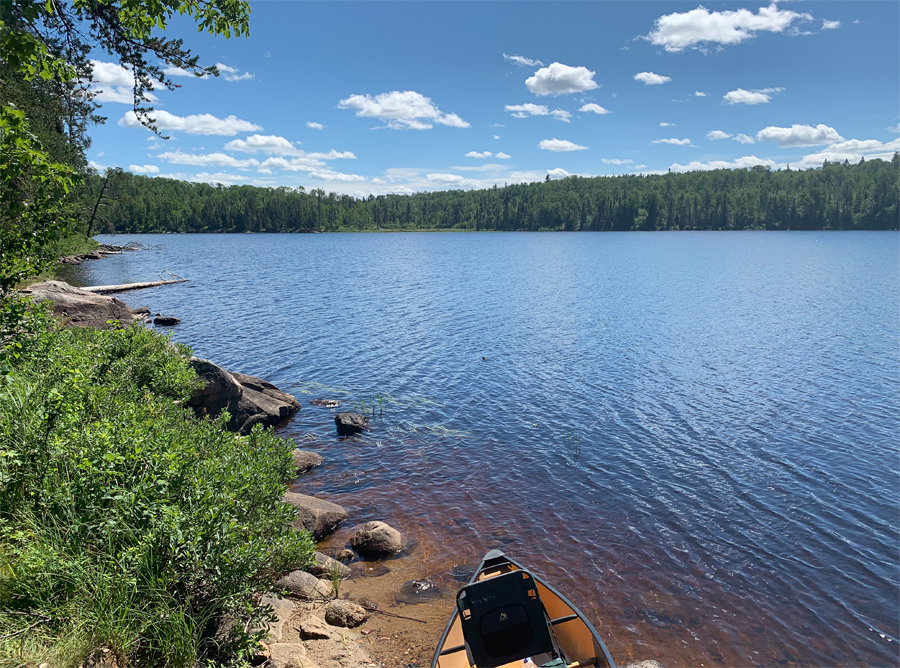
x=126 y=524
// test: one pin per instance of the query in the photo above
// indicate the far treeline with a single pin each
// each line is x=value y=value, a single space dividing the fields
x=837 y=196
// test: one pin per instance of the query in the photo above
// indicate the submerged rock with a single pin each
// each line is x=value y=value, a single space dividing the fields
x=376 y=539
x=81 y=308
x=418 y=591
x=166 y=321
x=324 y=566
x=305 y=460
x=318 y=517
x=350 y=423
x=327 y=403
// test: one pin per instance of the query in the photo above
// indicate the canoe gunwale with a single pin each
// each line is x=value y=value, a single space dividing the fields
x=494 y=559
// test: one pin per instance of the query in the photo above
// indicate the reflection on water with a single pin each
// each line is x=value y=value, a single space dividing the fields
x=733 y=397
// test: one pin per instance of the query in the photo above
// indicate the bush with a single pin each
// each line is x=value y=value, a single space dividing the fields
x=127 y=525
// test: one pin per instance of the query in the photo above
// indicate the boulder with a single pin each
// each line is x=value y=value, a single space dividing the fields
x=222 y=390
x=318 y=517
x=305 y=460
x=376 y=539
x=324 y=566
x=288 y=655
x=79 y=307
x=283 y=609
x=350 y=423
x=345 y=555
x=345 y=613
x=313 y=628
x=305 y=585
x=166 y=321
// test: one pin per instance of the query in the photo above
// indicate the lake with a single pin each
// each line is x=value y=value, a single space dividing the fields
x=695 y=435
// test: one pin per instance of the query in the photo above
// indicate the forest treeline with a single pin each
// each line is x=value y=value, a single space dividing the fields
x=837 y=196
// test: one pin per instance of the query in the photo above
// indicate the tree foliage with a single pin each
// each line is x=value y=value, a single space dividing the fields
x=835 y=196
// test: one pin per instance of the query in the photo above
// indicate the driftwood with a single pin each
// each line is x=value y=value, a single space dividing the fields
x=125 y=287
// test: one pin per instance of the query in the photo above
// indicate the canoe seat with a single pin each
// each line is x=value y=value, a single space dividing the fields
x=503 y=620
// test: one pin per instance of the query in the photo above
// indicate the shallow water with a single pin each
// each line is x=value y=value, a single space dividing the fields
x=693 y=435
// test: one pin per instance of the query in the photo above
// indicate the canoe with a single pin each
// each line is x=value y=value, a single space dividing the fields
x=578 y=640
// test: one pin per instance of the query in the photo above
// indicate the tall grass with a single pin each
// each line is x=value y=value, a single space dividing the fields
x=128 y=528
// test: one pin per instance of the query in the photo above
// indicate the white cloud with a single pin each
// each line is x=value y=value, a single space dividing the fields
x=446 y=178
x=113 y=83
x=197 y=124
x=895 y=128
x=617 y=161
x=173 y=71
x=739 y=163
x=558 y=173
x=664 y=124
x=314 y=126
x=852 y=150
x=674 y=142
x=332 y=155
x=218 y=177
x=715 y=135
x=143 y=169
x=529 y=109
x=271 y=144
x=96 y=165
x=329 y=175
x=651 y=79
x=678 y=31
x=503 y=156
x=232 y=73
x=830 y=25
x=698 y=93
x=496 y=136
x=558 y=145
x=401 y=110
x=522 y=61
x=799 y=135
x=741 y=96
x=476 y=154
x=558 y=79
x=207 y=160
x=302 y=164
x=742 y=138
x=594 y=108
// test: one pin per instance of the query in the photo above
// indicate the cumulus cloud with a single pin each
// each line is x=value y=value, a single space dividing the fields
x=715 y=135
x=332 y=155
x=300 y=164
x=558 y=79
x=594 y=108
x=173 y=71
x=402 y=110
x=557 y=145
x=529 y=109
x=617 y=161
x=329 y=175
x=697 y=27
x=503 y=156
x=698 y=93
x=271 y=144
x=852 y=150
x=742 y=138
x=496 y=136
x=558 y=173
x=799 y=135
x=739 y=163
x=522 y=61
x=207 y=160
x=111 y=82
x=674 y=142
x=143 y=169
x=651 y=79
x=196 y=124
x=741 y=96
x=314 y=126
x=232 y=73
x=476 y=154
x=830 y=25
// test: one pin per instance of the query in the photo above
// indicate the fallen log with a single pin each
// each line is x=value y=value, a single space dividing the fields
x=125 y=287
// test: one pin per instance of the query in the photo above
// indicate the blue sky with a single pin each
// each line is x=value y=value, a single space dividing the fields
x=373 y=97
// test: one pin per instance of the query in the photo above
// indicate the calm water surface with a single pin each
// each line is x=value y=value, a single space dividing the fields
x=695 y=435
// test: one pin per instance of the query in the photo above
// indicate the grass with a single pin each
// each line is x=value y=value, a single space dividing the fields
x=129 y=529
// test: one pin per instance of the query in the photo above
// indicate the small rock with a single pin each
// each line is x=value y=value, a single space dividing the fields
x=327 y=403
x=314 y=628
x=418 y=591
x=288 y=655
x=345 y=613
x=315 y=515
x=306 y=460
x=324 y=566
x=166 y=321
x=649 y=663
x=350 y=423
x=345 y=555
x=305 y=585
x=376 y=539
